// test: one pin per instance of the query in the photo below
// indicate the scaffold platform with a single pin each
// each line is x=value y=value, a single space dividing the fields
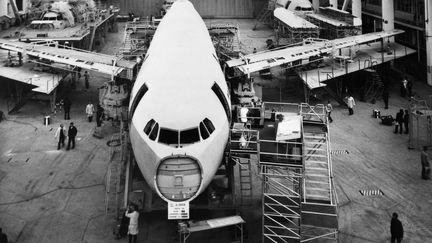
x=362 y=58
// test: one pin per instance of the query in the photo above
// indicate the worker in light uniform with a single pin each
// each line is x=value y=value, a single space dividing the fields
x=243 y=114
x=351 y=104
x=133 y=216
x=89 y=111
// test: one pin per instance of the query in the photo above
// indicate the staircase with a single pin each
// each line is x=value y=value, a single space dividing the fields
x=245 y=177
x=317 y=179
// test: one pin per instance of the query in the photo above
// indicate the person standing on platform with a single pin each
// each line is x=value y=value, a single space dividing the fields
x=86 y=79
x=67 y=105
x=399 y=121
x=89 y=111
x=133 y=216
x=406 y=121
x=243 y=114
x=72 y=132
x=329 y=109
x=396 y=229
x=61 y=134
x=3 y=237
x=351 y=104
x=403 y=87
x=425 y=164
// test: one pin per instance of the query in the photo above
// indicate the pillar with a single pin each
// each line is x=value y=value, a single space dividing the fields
x=388 y=15
x=428 y=33
x=357 y=12
x=316 y=4
x=356 y=8
x=334 y=3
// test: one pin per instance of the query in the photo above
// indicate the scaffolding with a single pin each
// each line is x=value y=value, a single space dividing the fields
x=292 y=28
x=225 y=37
x=137 y=38
x=265 y=14
x=299 y=202
x=335 y=24
x=420 y=124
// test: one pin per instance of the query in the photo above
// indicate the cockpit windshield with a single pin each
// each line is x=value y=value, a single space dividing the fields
x=174 y=137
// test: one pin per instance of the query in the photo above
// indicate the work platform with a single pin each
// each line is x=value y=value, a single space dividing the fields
x=294 y=28
x=74 y=33
x=44 y=82
x=54 y=52
x=367 y=57
x=293 y=155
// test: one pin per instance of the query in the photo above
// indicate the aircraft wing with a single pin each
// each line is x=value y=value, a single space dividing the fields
x=293 y=56
x=102 y=63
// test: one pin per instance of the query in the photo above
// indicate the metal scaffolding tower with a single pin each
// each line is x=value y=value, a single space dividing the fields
x=299 y=201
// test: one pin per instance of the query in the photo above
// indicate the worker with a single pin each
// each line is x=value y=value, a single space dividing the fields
x=425 y=164
x=351 y=104
x=86 y=79
x=399 y=121
x=89 y=111
x=133 y=216
x=403 y=86
x=243 y=113
x=67 y=105
x=329 y=109
x=406 y=121
x=3 y=237
x=72 y=132
x=61 y=134
x=99 y=115
x=396 y=229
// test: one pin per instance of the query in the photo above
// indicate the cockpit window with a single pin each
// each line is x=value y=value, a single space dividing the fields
x=220 y=95
x=141 y=92
x=209 y=125
x=154 y=132
x=189 y=136
x=203 y=130
x=168 y=136
x=206 y=128
x=149 y=126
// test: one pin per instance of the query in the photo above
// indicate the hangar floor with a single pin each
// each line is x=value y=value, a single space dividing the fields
x=49 y=195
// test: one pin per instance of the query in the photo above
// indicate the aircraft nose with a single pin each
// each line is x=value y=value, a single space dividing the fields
x=178 y=177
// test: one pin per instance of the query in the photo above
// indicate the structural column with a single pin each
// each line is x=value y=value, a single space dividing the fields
x=334 y=3
x=428 y=33
x=388 y=15
x=356 y=8
x=316 y=4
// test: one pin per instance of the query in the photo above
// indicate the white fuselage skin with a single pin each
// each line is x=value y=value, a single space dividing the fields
x=179 y=70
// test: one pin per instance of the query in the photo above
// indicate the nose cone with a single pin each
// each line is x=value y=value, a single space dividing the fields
x=178 y=178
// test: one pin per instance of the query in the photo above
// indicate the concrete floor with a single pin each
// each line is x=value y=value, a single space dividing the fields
x=49 y=195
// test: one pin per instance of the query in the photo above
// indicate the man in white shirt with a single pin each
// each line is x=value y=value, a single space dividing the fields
x=351 y=104
x=89 y=111
x=133 y=216
x=243 y=114
x=61 y=134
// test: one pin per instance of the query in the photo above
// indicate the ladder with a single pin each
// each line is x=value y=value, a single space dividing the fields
x=245 y=177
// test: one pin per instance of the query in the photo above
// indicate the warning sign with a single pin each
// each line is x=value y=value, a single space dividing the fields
x=178 y=210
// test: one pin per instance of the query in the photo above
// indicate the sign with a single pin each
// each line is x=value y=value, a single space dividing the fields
x=178 y=210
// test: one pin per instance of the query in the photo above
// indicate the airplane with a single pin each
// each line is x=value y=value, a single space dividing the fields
x=180 y=108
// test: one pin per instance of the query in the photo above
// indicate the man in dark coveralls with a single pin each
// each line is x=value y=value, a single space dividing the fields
x=72 y=132
x=396 y=229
